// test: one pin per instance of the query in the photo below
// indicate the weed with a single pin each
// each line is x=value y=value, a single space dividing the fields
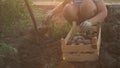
x=7 y=49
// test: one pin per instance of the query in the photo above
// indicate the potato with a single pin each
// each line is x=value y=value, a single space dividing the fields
x=84 y=34
x=94 y=40
x=69 y=42
x=80 y=37
x=77 y=43
x=80 y=41
x=87 y=41
x=84 y=38
x=95 y=34
x=88 y=37
x=75 y=37
x=77 y=34
x=81 y=44
x=73 y=43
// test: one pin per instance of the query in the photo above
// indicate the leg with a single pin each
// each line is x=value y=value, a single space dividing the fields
x=87 y=9
x=70 y=13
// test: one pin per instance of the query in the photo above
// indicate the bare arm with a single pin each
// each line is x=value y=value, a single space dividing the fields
x=102 y=12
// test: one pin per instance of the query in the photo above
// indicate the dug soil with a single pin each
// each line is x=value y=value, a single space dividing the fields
x=47 y=52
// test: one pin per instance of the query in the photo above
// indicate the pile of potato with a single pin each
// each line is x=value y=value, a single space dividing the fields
x=85 y=38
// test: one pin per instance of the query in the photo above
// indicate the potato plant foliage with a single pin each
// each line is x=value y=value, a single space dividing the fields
x=14 y=17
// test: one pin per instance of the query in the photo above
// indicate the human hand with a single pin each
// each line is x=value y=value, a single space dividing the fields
x=85 y=26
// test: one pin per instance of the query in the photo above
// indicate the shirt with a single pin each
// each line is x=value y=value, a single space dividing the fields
x=77 y=2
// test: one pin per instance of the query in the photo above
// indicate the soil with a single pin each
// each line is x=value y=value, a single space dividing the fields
x=49 y=55
x=44 y=53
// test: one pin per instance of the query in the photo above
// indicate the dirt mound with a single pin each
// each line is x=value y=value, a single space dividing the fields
x=44 y=53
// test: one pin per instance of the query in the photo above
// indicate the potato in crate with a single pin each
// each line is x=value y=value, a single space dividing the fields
x=81 y=47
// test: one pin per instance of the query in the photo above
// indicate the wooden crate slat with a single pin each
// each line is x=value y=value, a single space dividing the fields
x=88 y=57
x=80 y=54
x=99 y=40
x=72 y=31
x=75 y=48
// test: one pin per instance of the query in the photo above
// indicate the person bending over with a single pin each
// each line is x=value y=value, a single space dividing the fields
x=85 y=12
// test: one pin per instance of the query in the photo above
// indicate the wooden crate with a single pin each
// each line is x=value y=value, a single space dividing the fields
x=80 y=53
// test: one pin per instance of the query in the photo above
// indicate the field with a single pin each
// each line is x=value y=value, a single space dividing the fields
x=43 y=50
x=48 y=54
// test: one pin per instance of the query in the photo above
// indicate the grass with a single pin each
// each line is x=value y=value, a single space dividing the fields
x=7 y=49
